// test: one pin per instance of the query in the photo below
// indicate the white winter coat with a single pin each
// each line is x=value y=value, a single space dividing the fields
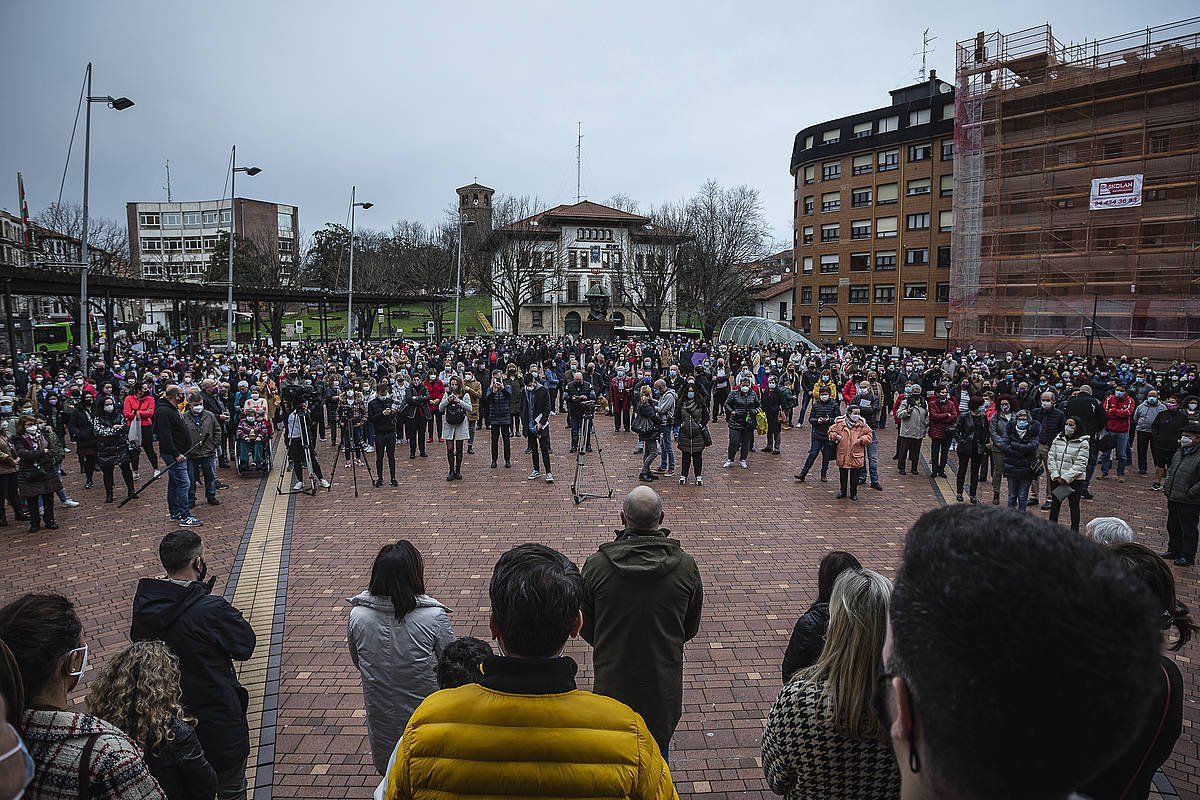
x=1068 y=458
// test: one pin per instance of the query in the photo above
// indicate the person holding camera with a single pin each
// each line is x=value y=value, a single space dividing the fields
x=415 y=410
x=579 y=397
x=535 y=411
x=474 y=390
x=381 y=412
x=497 y=415
x=454 y=407
x=301 y=445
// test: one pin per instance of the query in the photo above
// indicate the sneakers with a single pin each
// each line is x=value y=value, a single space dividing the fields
x=533 y=476
x=744 y=464
x=683 y=480
x=727 y=465
x=190 y=522
x=369 y=449
x=325 y=483
x=157 y=472
x=1156 y=487
x=1046 y=506
x=699 y=481
x=549 y=477
x=135 y=475
x=297 y=486
x=69 y=503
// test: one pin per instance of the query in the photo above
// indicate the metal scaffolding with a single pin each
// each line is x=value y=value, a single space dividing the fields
x=1036 y=121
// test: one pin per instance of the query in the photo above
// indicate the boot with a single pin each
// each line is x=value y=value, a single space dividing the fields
x=108 y=497
x=995 y=498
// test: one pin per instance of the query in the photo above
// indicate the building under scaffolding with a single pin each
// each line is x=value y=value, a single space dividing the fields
x=1037 y=123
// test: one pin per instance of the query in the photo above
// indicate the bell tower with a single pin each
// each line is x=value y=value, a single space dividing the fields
x=475 y=204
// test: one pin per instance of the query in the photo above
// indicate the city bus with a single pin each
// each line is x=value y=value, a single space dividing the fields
x=53 y=337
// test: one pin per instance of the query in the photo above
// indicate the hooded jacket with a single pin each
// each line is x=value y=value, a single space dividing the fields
x=208 y=635
x=398 y=663
x=1068 y=458
x=642 y=601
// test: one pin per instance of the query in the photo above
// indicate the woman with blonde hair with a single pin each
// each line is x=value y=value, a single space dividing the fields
x=138 y=691
x=823 y=738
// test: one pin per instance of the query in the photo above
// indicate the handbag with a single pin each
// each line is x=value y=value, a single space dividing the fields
x=760 y=422
x=135 y=433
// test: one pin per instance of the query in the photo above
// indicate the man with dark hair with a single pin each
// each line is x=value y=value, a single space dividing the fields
x=1018 y=657
x=642 y=602
x=174 y=441
x=208 y=635
x=525 y=726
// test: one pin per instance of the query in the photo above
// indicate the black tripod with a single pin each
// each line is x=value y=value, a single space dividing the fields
x=353 y=449
x=306 y=445
x=587 y=435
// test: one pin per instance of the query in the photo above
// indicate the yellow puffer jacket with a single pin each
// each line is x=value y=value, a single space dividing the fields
x=481 y=743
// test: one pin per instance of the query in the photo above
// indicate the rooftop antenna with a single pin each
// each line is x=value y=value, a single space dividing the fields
x=578 y=160
x=168 y=186
x=926 y=40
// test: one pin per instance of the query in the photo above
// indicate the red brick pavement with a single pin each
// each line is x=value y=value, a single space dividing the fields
x=756 y=534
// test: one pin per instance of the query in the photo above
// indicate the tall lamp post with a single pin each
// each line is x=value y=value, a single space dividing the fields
x=462 y=223
x=949 y=328
x=350 y=293
x=117 y=104
x=234 y=169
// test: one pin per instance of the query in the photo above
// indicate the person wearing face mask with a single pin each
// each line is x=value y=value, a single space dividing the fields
x=821 y=415
x=943 y=411
x=535 y=406
x=79 y=424
x=37 y=473
x=205 y=433
x=139 y=413
x=208 y=635
x=620 y=400
x=8 y=479
x=972 y=443
x=694 y=435
x=741 y=413
x=1118 y=411
x=850 y=434
x=1066 y=466
x=720 y=388
x=17 y=767
x=1019 y=446
x=1182 y=488
x=1143 y=421
x=1164 y=437
x=437 y=390
x=74 y=754
x=997 y=426
x=113 y=446
x=773 y=407
x=1052 y=420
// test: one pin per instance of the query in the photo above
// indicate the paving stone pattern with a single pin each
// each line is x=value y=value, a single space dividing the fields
x=756 y=534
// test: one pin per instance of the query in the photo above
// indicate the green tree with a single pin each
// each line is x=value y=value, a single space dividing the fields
x=259 y=265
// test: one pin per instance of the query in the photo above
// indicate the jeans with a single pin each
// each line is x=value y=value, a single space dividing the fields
x=649 y=454
x=1093 y=457
x=872 y=463
x=804 y=405
x=1018 y=492
x=207 y=467
x=540 y=443
x=941 y=452
x=817 y=446
x=668 y=449
x=1121 y=448
x=248 y=450
x=179 y=484
x=414 y=431
x=575 y=423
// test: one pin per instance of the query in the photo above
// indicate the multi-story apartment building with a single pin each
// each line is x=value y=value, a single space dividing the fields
x=176 y=240
x=1077 y=209
x=873 y=219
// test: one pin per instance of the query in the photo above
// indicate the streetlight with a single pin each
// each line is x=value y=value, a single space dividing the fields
x=462 y=223
x=350 y=294
x=949 y=326
x=117 y=104
x=234 y=169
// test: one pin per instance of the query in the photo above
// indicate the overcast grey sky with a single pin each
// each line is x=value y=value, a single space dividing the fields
x=410 y=100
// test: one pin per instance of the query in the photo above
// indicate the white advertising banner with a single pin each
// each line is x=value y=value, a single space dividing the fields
x=1121 y=191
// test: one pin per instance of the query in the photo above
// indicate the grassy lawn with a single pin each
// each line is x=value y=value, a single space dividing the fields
x=413 y=325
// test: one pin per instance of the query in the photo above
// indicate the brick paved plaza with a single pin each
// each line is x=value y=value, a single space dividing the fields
x=756 y=534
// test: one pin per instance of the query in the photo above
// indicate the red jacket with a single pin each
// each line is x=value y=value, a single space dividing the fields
x=142 y=408
x=849 y=389
x=618 y=390
x=437 y=390
x=942 y=414
x=1118 y=410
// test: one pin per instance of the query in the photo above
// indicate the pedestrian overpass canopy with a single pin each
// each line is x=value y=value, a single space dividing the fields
x=759 y=330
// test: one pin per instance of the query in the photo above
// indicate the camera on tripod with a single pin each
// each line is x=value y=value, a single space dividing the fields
x=296 y=393
x=587 y=408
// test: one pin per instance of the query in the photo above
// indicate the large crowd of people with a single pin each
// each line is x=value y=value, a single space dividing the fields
x=933 y=684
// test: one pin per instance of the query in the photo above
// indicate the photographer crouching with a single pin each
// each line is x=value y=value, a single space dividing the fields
x=301 y=444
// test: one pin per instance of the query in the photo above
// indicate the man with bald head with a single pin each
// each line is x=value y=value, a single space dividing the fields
x=642 y=602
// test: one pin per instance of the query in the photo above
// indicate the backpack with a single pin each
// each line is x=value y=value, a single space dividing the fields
x=455 y=414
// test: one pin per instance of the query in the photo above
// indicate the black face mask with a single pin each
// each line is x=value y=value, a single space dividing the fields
x=203 y=571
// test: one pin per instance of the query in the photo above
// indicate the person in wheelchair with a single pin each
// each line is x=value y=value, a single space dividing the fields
x=254 y=434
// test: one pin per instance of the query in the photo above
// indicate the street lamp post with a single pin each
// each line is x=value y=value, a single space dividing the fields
x=117 y=104
x=234 y=169
x=949 y=327
x=350 y=293
x=462 y=223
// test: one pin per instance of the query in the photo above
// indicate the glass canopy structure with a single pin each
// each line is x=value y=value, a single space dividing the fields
x=757 y=330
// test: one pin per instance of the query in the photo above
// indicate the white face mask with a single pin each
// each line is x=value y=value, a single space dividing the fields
x=82 y=664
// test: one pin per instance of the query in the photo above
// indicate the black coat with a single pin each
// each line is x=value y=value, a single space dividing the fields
x=208 y=635
x=1087 y=410
x=416 y=401
x=79 y=425
x=741 y=410
x=535 y=403
x=384 y=423
x=112 y=439
x=180 y=767
x=497 y=406
x=808 y=638
x=173 y=436
x=971 y=434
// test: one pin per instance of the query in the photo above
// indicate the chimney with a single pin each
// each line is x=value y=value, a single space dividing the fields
x=933 y=75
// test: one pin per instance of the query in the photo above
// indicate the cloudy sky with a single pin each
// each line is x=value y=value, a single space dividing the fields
x=410 y=100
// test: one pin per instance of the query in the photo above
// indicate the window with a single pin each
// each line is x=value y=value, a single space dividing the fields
x=943 y=292
x=941 y=328
x=148 y=220
x=191 y=218
x=572 y=291
x=914 y=325
x=887 y=193
x=918 y=186
x=171 y=219
x=208 y=217
x=860 y=198
x=194 y=269
x=946 y=221
x=916 y=222
x=920 y=152
x=808 y=235
x=810 y=173
x=885 y=293
x=916 y=291
x=285 y=221
x=885 y=227
x=947 y=149
x=831 y=201
x=861 y=129
x=808 y=265
x=783 y=314
x=858 y=326
x=860 y=262
x=537 y=291
x=196 y=243
x=226 y=216
x=831 y=232
x=889 y=159
x=862 y=165
x=806 y=295
x=151 y=245
x=943 y=256
x=918 y=117
x=827 y=294
x=889 y=124
x=828 y=325
x=914 y=256
x=1160 y=142
x=883 y=326
x=808 y=142
x=829 y=264
x=885 y=260
x=808 y=205
x=831 y=137
x=537 y=319
x=946 y=183
x=172 y=245
x=860 y=229
x=860 y=294
x=948 y=111
x=831 y=170
x=806 y=324
x=1112 y=147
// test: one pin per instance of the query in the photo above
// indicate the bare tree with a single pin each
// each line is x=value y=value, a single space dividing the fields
x=258 y=264
x=726 y=229
x=521 y=262
x=623 y=202
x=108 y=240
x=425 y=265
x=646 y=276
